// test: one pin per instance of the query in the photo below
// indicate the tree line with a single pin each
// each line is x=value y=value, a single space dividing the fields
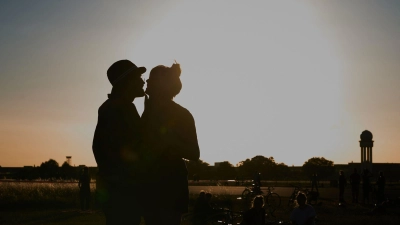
x=49 y=170
x=245 y=170
x=269 y=169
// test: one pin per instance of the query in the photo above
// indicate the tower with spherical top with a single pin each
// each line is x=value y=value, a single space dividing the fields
x=366 y=144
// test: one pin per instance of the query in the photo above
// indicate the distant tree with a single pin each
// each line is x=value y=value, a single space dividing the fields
x=323 y=167
x=68 y=171
x=282 y=172
x=266 y=166
x=225 y=171
x=198 y=167
x=49 y=169
x=27 y=173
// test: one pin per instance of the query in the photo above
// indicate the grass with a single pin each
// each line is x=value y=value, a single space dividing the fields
x=39 y=195
x=58 y=203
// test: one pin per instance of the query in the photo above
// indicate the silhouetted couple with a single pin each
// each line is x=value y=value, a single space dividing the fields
x=142 y=172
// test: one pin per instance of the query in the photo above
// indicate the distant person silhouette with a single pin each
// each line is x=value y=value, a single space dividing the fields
x=314 y=182
x=200 y=202
x=257 y=182
x=355 y=180
x=256 y=214
x=366 y=185
x=195 y=177
x=115 y=145
x=169 y=137
x=342 y=185
x=202 y=208
x=208 y=197
x=84 y=188
x=381 y=182
x=304 y=214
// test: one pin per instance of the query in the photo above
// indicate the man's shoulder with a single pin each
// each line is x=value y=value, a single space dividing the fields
x=114 y=105
x=109 y=105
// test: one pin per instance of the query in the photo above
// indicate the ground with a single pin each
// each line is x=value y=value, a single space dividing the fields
x=328 y=210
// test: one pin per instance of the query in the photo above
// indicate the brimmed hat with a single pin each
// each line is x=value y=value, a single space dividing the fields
x=121 y=68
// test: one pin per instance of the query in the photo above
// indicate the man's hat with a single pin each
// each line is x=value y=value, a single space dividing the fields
x=121 y=69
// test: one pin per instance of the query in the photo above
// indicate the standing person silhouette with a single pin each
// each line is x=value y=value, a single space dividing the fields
x=381 y=182
x=257 y=182
x=355 y=180
x=342 y=185
x=169 y=137
x=84 y=189
x=314 y=182
x=366 y=185
x=115 y=145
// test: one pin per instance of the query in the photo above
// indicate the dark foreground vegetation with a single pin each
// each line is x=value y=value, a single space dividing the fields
x=58 y=203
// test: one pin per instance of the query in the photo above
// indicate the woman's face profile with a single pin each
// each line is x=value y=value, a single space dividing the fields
x=155 y=85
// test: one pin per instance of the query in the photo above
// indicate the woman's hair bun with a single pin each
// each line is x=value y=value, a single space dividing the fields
x=176 y=69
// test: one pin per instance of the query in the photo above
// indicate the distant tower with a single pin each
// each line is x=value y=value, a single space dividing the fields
x=69 y=160
x=366 y=145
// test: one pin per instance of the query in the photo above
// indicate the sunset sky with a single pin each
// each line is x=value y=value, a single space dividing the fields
x=288 y=79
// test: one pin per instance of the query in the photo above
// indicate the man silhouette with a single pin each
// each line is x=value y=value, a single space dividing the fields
x=355 y=180
x=366 y=185
x=84 y=188
x=314 y=181
x=257 y=182
x=342 y=185
x=115 y=145
x=381 y=182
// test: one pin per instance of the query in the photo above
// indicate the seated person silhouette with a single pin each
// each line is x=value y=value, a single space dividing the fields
x=255 y=215
x=304 y=214
x=202 y=208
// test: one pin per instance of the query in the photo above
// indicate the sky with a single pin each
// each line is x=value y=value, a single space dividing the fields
x=287 y=79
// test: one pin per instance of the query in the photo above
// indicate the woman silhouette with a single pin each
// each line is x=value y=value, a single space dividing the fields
x=169 y=137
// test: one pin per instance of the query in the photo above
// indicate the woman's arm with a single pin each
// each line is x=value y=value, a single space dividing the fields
x=182 y=140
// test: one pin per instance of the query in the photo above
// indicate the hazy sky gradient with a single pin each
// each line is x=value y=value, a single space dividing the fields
x=288 y=79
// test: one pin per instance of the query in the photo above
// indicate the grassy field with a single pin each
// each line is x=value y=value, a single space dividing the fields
x=55 y=203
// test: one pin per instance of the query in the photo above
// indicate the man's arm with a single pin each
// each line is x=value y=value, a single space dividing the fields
x=113 y=140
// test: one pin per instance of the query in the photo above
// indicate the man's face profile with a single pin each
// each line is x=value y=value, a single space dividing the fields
x=135 y=84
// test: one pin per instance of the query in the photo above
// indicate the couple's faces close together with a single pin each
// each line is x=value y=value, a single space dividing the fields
x=156 y=85
x=135 y=85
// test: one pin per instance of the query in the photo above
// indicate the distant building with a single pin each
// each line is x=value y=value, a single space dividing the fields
x=217 y=164
x=366 y=144
x=69 y=160
x=391 y=170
